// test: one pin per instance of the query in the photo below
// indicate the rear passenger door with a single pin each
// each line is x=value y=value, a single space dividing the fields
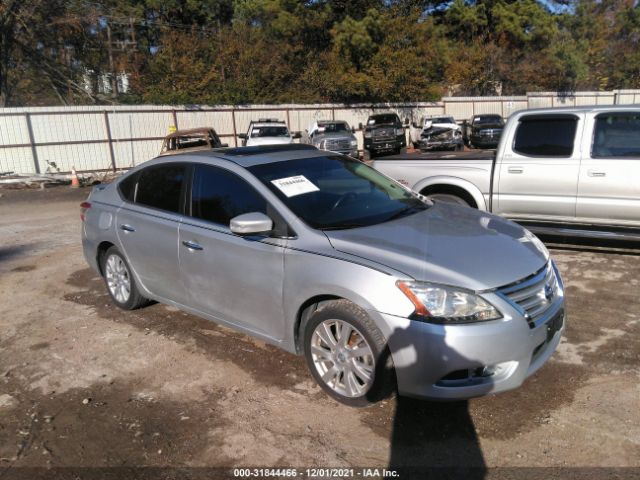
x=609 y=183
x=538 y=172
x=236 y=279
x=147 y=227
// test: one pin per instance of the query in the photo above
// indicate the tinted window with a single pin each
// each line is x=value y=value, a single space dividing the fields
x=384 y=119
x=546 y=137
x=617 y=135
x=127 y=187
x=161 y=186
x=219 y=195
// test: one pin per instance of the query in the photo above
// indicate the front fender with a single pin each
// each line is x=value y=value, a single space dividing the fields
x=448 y=180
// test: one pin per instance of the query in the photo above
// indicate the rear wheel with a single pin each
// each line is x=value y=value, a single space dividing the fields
x=120 y=283
x=347 y=354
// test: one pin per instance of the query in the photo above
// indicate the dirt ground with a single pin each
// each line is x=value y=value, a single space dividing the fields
x=83 y=384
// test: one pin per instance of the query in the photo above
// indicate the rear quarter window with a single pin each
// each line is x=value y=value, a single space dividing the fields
x=127 y=187
x=549 y=136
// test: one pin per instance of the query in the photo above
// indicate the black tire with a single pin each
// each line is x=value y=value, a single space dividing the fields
x=383 y=379
x=448 y=198
x=135 y=299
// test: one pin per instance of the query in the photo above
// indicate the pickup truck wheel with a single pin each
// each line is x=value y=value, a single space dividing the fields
x=347 y=354
x=448 y=198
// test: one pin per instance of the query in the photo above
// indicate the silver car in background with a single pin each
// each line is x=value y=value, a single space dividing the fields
x=321 y=255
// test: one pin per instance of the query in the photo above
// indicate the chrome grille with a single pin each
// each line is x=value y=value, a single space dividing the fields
x=384 y=135
x=533 y=295
x=337 y=144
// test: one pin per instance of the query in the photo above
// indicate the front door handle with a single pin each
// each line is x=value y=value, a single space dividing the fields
x=192 y=245
x=596 y=173
x=515 y=169
x=127 y=228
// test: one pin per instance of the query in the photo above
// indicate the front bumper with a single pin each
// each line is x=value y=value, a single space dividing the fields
x=485 y=141
x=385 y=146
x=440 y=145
x=454 y=362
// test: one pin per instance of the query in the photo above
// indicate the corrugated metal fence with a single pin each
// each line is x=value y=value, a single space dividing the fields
x=109 y=138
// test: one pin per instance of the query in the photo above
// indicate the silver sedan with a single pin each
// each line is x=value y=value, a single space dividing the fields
x=379 y=288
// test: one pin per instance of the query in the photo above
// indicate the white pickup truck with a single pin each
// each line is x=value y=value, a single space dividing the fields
x=569 y=171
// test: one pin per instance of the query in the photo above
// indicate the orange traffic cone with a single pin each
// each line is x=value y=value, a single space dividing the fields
x=75 y=182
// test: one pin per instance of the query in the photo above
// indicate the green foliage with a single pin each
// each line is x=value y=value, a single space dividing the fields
x=270 y=51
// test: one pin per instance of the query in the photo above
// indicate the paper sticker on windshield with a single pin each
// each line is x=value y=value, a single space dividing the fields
x=292 y=186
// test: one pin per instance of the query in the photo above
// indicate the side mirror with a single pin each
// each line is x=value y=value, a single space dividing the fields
x=242 y=136
x=360 y=126
x=251 y=224
x=296 y=135
x=406 y=121
x=414 y=124
x=224 y=145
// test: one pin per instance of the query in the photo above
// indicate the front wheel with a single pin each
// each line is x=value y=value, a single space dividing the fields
x=448 y=198
x=347 y=354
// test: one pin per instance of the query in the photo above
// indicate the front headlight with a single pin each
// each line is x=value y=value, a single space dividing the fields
x=445 y=305
x=354 y=143
x=367 y=134
x=399 y=131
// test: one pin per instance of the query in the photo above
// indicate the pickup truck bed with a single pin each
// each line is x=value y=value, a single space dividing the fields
x=466 y=174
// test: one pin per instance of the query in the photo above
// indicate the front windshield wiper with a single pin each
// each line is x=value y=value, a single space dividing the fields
x=342 y=226
x=407 y=211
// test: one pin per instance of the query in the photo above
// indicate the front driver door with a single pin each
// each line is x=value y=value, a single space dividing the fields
x=234 y=278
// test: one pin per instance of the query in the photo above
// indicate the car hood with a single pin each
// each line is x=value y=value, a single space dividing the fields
x=269 y=141
x=335 y=135
x=448 y=244
x=451 y=126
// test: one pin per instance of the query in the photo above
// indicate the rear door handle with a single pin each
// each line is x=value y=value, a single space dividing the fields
x=127 y=228
x=596 y=173
x=192 y=245
x=515 y=169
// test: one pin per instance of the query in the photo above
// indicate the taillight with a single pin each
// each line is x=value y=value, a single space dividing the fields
x=84 y=206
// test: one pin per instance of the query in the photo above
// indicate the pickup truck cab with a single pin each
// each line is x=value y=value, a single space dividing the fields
x=483 y=131
x=573 y=171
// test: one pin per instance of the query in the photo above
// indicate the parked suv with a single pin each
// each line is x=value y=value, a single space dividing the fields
x=267 y=131
x=483 y=131
x=383 y=133
x=335 y=136
x=325 y=257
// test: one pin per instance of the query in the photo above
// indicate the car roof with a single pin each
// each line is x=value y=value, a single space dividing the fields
x=581 y=109
x=190 y=131
x=254 y=155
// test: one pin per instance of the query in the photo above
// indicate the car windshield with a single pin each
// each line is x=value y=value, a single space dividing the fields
x=270 y=131
x=443 y=120
x=335 y=193
x=488 y=119
x=334 y=127
x=387 y=119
